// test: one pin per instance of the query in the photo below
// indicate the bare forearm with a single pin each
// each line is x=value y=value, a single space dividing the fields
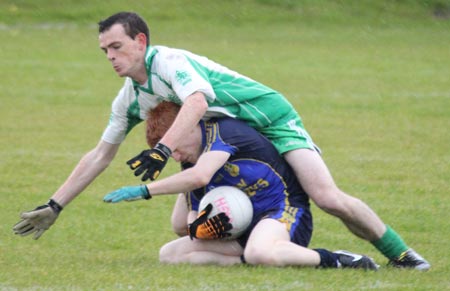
x=184 y=181
x=89 y=167
x=189 y=115
x=79 y=179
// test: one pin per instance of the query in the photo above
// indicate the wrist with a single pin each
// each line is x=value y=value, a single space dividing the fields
x=145 y=193
x=55 y=206
x=163 y=149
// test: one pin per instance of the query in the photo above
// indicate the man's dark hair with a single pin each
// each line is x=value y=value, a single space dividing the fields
x=131 y=22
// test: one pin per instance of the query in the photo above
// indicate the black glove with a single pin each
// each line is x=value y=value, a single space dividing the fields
x=38 y=220
x=150 y=161
x=210 y=228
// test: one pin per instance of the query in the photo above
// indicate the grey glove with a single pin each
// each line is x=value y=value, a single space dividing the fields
x=38 y=220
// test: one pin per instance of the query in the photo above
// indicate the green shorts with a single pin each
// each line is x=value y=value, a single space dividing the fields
x=288 y=133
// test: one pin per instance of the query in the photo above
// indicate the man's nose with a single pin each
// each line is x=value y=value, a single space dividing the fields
x=110 y=55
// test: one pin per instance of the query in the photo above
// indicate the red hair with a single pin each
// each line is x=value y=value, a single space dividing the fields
x=159 y=120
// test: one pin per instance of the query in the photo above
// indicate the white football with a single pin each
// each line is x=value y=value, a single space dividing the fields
x=234 y=203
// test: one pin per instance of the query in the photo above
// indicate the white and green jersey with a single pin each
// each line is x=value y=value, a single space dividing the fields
x=175 y=74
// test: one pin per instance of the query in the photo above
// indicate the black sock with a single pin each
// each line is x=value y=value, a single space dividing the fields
x=327 y=258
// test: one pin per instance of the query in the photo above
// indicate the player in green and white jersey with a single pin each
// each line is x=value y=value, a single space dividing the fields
x=174 y=75
x=205 y=89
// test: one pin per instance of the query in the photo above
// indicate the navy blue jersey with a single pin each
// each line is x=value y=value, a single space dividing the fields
x=256 y=168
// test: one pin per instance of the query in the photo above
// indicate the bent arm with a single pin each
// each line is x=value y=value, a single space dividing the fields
x=187 y=118
x=87 y=169
x=190 y=179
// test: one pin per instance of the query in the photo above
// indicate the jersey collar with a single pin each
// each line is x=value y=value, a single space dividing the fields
x=149 y=55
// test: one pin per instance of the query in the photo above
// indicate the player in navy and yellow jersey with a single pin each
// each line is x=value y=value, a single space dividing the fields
x=256 y=168
x=227 y=152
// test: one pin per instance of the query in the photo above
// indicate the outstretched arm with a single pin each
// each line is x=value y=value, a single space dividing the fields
x=88 y=168
x=40 y=219
x=192 y=178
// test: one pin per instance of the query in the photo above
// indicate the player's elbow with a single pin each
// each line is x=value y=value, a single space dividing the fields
x=198 y=102
x=202 y=103
x=102 y=155
x=101 y=160
x=199 y=182
x=200 y=178
x=93 y=160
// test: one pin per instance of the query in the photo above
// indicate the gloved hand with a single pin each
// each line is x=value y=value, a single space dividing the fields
x=38 y=220
x=150 y=161
x=128 y=193
x=210 y=228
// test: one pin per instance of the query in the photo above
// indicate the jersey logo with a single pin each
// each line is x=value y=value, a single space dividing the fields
x=183 y=77
x=232 y=169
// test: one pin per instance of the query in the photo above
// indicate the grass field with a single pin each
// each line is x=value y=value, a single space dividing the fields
x=369 y=78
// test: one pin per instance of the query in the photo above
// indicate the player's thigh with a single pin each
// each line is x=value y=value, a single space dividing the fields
x=312 y=173
x=265 y=234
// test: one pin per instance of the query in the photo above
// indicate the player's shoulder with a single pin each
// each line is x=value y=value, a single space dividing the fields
x=235 y=128
x=167 y=53
x=250 y=142
x=167 y=60
x=229 y=121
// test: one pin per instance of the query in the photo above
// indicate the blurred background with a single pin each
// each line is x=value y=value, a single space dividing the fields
x=369 y=78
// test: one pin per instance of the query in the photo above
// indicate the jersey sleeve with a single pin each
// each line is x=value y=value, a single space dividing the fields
x=184 y=75
x=237 y=138
x=214 y=139
x=125 y=114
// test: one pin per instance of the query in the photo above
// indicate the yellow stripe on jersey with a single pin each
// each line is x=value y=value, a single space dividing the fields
x=211 y=129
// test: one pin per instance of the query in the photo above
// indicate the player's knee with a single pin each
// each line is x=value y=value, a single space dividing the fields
x=337 y=203
x=167 y=255
x=331 y=201
x=255 y=255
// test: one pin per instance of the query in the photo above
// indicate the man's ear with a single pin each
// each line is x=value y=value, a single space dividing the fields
x=142 y=39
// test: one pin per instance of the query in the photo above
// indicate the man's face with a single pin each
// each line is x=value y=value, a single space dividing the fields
x=125 y=54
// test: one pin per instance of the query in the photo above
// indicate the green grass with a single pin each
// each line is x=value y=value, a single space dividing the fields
x=369 y=78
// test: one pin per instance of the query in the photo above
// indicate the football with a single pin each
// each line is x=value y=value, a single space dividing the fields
x=234 y=203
